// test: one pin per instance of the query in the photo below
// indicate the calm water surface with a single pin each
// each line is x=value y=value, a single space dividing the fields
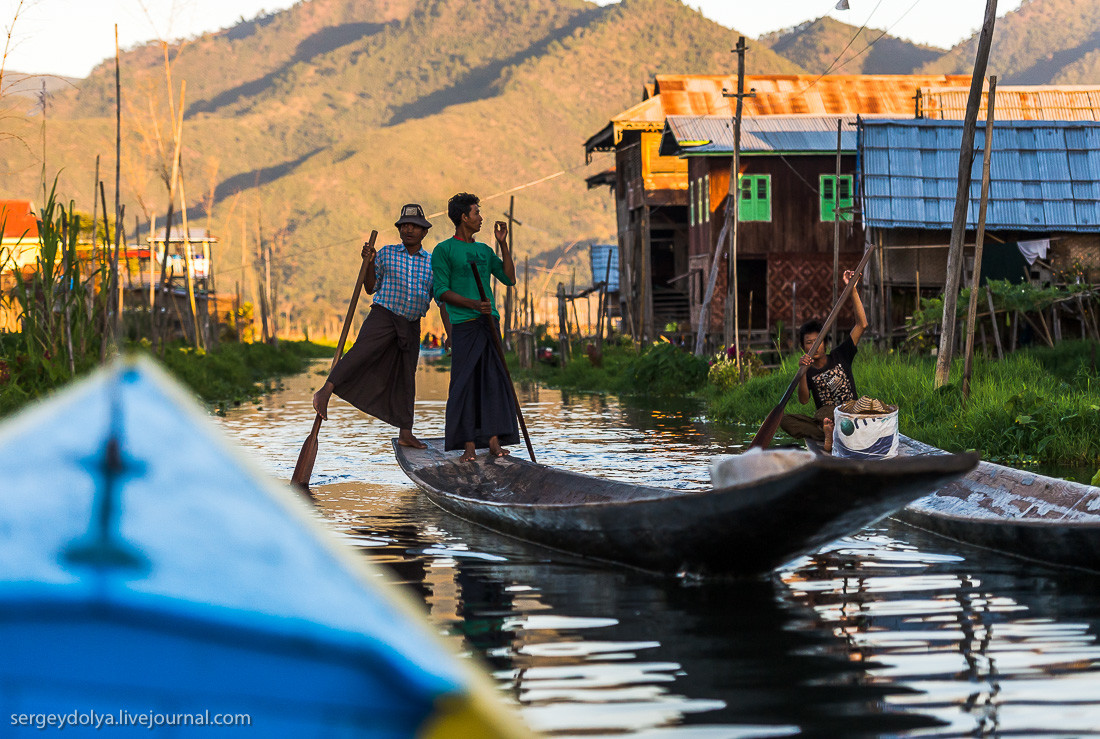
x=889 y=632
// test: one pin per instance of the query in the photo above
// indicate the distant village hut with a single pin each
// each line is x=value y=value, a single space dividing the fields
x=19 y=250
x=21 y=245
x=201 y=243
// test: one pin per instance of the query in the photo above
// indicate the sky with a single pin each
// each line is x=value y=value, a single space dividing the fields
x=81 y=32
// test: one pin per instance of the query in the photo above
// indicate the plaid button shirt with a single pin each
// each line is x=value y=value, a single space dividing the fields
x=403 y=280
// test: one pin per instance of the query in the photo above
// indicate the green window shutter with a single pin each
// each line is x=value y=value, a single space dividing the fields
x=745 y=207
x=706 y=198
x=755 y=201
x=846 y=198
x=831 y=192
x=828 y=197
x=763 y=198
x=691 y=203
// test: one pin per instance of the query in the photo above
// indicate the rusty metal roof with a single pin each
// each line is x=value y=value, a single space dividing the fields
x=1045 y=176
x=775 y=94
x=686 y=135
x=1016 y=102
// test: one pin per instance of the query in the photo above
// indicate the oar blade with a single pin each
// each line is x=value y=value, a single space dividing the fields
x=303 y=470
x=767 y=429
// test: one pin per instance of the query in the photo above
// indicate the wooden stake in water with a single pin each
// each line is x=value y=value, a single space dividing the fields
x=972 y=308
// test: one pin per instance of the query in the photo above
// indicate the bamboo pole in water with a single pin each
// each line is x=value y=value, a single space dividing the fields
x=979 y=243
x=67 y=260
x=178 y=133
x=117 y=328
x=189 y=265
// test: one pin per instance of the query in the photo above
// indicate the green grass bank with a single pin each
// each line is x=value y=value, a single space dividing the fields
x=1040 y=405
x=232 y=374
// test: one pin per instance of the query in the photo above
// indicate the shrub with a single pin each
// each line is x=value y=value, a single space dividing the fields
x=664 y=369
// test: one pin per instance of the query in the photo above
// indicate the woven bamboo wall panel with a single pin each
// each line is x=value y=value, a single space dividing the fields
x=812 y=275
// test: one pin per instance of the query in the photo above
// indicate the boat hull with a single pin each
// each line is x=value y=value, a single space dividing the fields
x=742 y=530
x=1015 y=512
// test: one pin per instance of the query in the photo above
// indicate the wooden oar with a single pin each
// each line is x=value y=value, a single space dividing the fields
x=304 y=468
x=503 y=363
x=771 y=424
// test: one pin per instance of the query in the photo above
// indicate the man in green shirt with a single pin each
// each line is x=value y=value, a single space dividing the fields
x=480 y=410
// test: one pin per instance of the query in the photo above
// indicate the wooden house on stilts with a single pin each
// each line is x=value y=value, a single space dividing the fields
x=670 y=195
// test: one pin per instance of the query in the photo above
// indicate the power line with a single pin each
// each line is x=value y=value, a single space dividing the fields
x=886 y=31
x=846 y=47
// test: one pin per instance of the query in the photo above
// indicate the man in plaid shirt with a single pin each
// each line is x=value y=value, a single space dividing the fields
x=378 y=374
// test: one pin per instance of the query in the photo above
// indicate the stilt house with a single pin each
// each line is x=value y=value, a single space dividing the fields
x=662 y=245
x=1043 y=210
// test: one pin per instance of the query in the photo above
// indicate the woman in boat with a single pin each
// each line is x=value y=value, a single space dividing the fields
x=480 y=411
x=828 y=377
x=378 y=374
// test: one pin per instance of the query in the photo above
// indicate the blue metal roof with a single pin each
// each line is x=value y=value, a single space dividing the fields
x=598 y=255
x=1044 y=175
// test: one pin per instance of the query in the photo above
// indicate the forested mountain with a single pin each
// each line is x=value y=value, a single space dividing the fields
x=316 y=123
x=828 y=44
x=312 y=126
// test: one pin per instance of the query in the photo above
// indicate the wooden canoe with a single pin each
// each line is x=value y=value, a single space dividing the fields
x=147 y=568
x=1012 y=511
x=739 y=530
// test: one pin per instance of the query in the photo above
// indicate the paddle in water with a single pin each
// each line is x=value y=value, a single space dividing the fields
x=771 y=424
x=503 y=363
x=304 y=468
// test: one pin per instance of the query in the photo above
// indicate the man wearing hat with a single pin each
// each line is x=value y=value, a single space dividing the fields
x=378 y=374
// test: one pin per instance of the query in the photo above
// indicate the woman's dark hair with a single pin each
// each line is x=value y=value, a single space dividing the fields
x=460 y=205
x=812 y=326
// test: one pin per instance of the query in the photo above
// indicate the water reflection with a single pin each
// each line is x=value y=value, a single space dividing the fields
x=887 y=632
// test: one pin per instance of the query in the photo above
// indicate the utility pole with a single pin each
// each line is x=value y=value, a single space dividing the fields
x=509 y=291
x=979 y=242
x=732 y=323
x=836 y=222
x=729 y=221
x=962 y=199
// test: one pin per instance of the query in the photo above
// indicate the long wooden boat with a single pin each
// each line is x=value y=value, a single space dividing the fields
x=149 y=575
x=1012 y=511
x=745 y=528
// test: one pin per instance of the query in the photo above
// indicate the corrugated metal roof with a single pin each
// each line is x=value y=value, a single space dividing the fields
x=1043 y=175
x=1016 y=103
x=598 y=254
x=791 y=94
x=783 y=94
x=713 y=135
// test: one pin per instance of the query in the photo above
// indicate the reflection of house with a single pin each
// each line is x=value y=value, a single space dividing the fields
x=20 y=246
x=1045 y=190
x=651 y=190
x=201 y=244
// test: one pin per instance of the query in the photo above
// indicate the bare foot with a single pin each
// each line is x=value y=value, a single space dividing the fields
x=406 y=438
x=495 y=449
x=827 y=425
x=320 y=401
x=470 y=454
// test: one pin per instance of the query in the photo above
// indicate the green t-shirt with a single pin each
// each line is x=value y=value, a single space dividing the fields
x=451 y=271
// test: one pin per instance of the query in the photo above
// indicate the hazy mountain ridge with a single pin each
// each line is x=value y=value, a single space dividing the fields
x=819 y=46
x=1042 y=41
